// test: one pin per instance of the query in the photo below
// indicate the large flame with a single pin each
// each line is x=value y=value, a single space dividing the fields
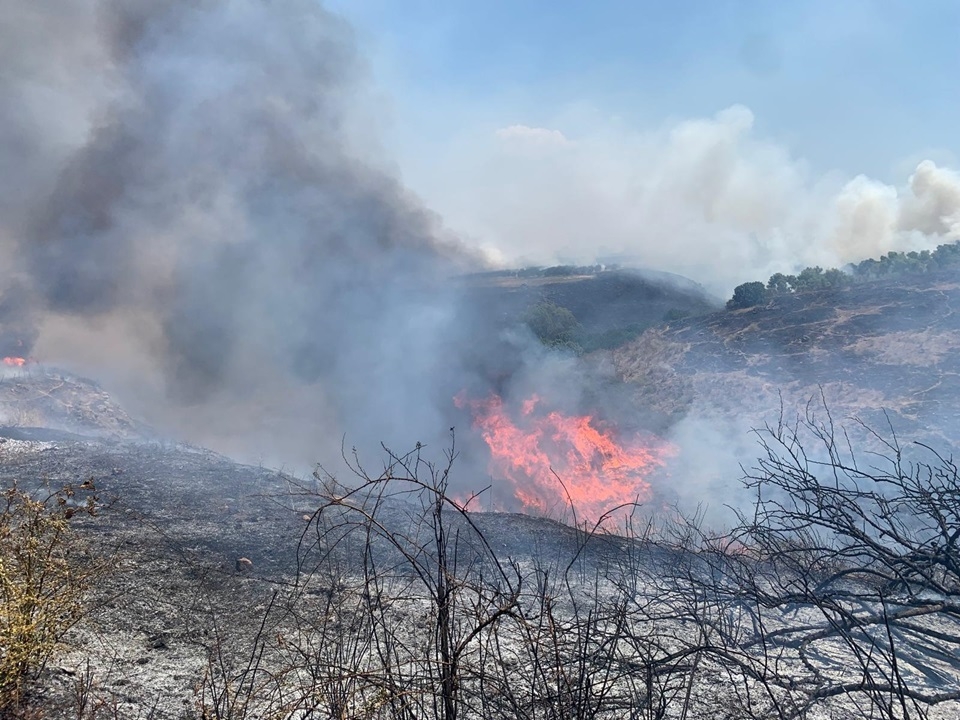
x=14 y=361
x=554 y=462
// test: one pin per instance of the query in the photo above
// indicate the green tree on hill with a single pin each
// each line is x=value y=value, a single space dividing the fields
x=780 y=283
x=554 y=325
x=747 y=295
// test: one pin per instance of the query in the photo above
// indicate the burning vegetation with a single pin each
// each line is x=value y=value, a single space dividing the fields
x=553 y=463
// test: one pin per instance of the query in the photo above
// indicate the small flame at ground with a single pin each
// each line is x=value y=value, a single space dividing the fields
x=553 y=461
x=14 y=361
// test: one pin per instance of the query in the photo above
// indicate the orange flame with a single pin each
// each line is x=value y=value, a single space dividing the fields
x=553 y=461
x=14 y=361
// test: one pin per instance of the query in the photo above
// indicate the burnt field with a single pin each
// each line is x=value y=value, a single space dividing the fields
x=341 y=459
x=227 y=590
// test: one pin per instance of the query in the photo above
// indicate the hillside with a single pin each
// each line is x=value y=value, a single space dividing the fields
x=611 y=306
x=886 y=345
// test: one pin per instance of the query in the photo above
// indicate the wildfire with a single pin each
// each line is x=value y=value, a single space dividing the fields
x=553 y=461
x=14 y=361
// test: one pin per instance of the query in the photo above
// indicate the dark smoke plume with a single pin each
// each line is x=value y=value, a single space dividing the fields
x=190 y=188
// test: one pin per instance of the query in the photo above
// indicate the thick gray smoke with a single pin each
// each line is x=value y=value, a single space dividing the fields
x=189 y=211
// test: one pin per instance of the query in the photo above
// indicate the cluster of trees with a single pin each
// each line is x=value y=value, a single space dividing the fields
x=894 y=263
x=816 y=278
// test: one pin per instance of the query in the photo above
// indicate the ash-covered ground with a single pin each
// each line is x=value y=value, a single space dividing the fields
x=242 y=591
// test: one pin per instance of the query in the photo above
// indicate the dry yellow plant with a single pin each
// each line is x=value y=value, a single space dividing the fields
x=44 y=575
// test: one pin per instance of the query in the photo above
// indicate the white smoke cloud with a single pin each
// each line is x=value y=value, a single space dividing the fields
x=532 y=135
x=933 y=208
x=709 y=198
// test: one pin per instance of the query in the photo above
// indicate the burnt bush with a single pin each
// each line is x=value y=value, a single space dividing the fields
x=835 y=593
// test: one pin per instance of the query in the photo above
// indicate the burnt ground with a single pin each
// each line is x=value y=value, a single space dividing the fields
x=885 y=346
x=50 y=401
x=173 y=522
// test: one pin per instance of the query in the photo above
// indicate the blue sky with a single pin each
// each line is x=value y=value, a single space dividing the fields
x=837 y=89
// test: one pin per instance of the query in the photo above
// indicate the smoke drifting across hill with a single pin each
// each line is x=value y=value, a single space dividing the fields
x=710 y=198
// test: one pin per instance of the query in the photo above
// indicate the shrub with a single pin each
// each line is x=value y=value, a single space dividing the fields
x=675 y=315
x=560 y=271
x=554 y=325
x=42 y=581
x=747 y=295
x=780 y=283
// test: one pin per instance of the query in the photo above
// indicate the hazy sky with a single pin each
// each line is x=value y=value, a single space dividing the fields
x=482 y=105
